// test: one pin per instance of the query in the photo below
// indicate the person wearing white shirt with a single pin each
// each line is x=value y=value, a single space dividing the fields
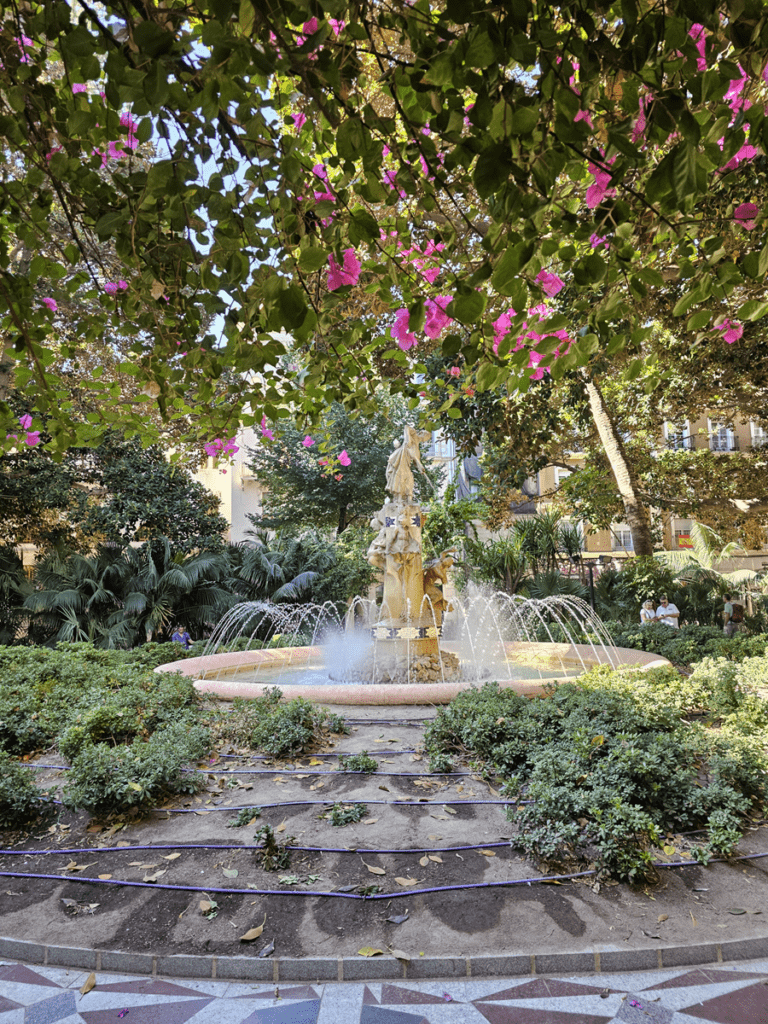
x=647 y=614
x=667 y=613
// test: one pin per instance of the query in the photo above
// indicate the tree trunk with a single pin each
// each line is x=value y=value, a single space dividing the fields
x=636 y=513
x=342 y=524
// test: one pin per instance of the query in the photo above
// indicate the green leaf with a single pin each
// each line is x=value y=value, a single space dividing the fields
x=699 y=320
x=635 y=369
x=292 y=305
x=752 y=310
x=524 y=120
x=312 y=259
x=491 y=170
x=481 y=52
x=467 y=308
x=684 y=171
x=489 y=376
x=509 y=266
x=247 y=17
x=352 y=138
x=156 y=85
x=365 y=224
x=108 y=224
x=589 y=270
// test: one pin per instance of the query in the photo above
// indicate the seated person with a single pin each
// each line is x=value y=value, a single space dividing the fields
x=180 y=636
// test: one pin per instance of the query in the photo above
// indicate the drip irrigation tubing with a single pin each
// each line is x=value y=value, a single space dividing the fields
x=350 y=895
x=283 y=771
x=239 y=846
x=334 y=753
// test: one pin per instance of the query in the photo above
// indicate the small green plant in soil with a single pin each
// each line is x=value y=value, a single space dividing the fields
x=246 y=816
x=361 y=762
x=280 y=728
x=612 y=764
x=20 y=799
x=273 y=856
x=439 y=763
x=346 y=814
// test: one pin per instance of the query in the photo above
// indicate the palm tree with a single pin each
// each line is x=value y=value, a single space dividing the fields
x=163 y=587
x=14 y=589
x=280 y=568
x=697 y=564
x=79 y=596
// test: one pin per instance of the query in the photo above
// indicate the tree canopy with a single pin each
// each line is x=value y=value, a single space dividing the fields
x=375 y=180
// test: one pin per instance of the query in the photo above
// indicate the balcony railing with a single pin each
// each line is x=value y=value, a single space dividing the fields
x=680 y=442
x=718 y=443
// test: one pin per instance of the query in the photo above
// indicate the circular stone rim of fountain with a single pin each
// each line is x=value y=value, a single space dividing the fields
x=394 y=693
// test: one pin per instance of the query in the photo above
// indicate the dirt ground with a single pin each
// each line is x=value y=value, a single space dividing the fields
x=687 y=905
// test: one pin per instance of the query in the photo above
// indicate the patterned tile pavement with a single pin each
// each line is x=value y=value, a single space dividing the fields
x=725 y=994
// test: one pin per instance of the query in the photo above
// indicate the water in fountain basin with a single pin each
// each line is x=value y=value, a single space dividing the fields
x=494 y=635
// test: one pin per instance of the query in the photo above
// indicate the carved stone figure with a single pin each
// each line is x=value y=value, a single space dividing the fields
x=435 y=578
x=400 y=482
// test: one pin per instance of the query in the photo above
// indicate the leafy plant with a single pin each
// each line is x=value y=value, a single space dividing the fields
x=346 y=814
x=273 y=856
x=282 y=729
x=440 y=763
x=106 y=779
x=20 y=798
x=361 y=762
x=245 y=816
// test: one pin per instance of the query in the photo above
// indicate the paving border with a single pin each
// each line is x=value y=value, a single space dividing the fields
x=319 y=969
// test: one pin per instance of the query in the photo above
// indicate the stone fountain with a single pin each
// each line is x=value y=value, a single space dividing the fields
x=408 y=630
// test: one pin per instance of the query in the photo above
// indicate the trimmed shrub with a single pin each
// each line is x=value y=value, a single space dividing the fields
x=20 y=799
x=280 y=728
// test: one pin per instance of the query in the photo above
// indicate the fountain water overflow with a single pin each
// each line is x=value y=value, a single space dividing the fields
x=416 y=647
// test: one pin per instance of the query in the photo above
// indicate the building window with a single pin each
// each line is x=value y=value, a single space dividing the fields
x=681 y=534
x=561 y=475
x=758 y=435
x=621 y=538
x=678 y=435
x=721 y=438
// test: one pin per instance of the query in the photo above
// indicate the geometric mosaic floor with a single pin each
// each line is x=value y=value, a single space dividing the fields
x=726 y=994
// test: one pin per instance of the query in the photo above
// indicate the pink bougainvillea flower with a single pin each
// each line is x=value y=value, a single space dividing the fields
x=550 y=283
x=584 y=115
x=32 y=439
x=111 y=287
x=347 y=274
x=52 y=304
x=731 y=330
x=308 y=441
x=745 y=152
x=344 y=459
x=337 y=26
x=299 y=121
x=79 y=87
x=696 y=32
x=338 y=476
x=405 y=339
x=389 y=180
x=322 y=462
x=437 y=319
x=210 y=450
x=25 y=421
x=455 y=371
x=265 y=431
x=746 y=215
x=596 y=241
x=599 y=190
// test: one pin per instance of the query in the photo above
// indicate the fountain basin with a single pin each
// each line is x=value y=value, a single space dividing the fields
x=216 y=675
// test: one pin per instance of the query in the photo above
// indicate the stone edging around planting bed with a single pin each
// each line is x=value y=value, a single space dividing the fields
x=319 y=969
x=539 y=654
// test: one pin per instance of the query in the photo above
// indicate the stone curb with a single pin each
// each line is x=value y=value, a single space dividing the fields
x=319 y=969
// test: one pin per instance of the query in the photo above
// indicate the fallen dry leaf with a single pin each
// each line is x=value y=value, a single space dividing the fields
x=398 y=919
x=399 y=954
x=434 y=857
x=369 y=951
x=154 y=877
x=281 y=827
x=424 y=861
x=407 y=881
x=254 y=933
x=434 y=839
x=415 y=757
x=439 y=817
x=74 y=866
x=105 y=876
x=374 y=870
x=230 y=872
x=205 y=906
x=450 y=810
x=88 y=984
x=386 y=790
x=314 y=760
x=662 y=917
x=695 y=922
x=172 y=856
x=370 y=821
x=486 y=853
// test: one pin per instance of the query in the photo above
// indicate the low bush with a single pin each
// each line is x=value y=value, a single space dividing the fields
x=361 y=762
x=106 y=779
x=280 y=728
x=688 y=644
x=611 y=764
x=20 y=799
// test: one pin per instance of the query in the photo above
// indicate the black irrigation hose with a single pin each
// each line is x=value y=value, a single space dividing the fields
x=350 y=895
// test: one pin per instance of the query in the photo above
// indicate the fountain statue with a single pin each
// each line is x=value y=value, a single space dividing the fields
x=412 y=606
